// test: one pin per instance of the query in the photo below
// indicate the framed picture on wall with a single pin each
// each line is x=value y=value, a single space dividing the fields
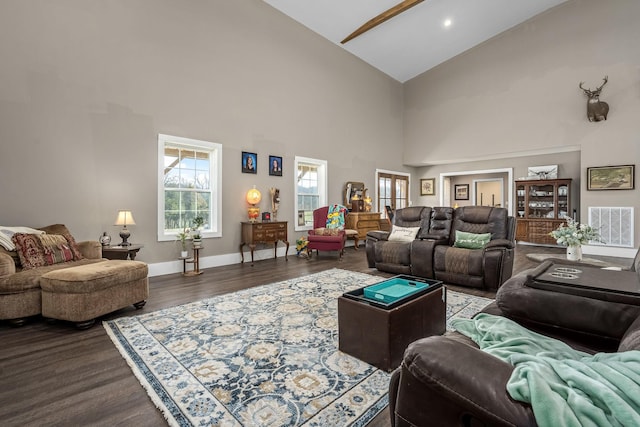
x=611 y=178
x=461 y=191
x=428 y=187
x=275 y=165
x=249 y=162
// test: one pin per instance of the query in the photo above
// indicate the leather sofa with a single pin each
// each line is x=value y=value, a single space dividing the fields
x=448 y=381
x=433 y=255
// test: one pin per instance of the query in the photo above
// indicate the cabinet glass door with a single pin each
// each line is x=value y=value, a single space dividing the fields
x=563 y=201
x=541 y=201
x=521 y=199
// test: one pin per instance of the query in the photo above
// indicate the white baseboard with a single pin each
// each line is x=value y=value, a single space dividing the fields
x=604 y=250
x=175 y=266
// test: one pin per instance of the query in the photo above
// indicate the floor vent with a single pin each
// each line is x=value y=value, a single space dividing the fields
x=615 y=225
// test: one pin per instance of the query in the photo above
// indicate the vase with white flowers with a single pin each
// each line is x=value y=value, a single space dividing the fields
x=573 y=235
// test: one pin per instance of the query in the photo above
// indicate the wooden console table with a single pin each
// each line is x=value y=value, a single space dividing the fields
x=264 y=232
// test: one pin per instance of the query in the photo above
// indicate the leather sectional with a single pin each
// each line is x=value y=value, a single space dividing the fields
x=433 y=254
x=448 y=381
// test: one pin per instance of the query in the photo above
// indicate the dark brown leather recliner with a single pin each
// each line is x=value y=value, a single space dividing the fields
x=448 y=381
x=414 y=257
x=485 y=268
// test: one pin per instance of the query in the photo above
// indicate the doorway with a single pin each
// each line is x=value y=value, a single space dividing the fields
x=445 y=185
x=488 y=192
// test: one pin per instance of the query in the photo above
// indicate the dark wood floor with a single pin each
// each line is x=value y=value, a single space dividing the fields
x=53 y=374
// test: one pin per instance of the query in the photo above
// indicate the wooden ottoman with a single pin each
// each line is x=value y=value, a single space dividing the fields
x=81 y=294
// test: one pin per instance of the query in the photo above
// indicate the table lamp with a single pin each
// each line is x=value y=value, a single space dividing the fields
x=253 y=198
x=125 y=218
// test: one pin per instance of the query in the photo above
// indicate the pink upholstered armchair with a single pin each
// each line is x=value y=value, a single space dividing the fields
x=326 y=236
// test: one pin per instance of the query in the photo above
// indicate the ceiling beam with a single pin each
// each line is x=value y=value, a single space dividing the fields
x=384 y=16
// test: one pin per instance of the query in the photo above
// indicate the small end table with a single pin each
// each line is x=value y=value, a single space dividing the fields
x=195 y=260
x=121 y=252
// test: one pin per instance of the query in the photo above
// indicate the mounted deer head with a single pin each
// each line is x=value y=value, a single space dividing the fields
x=596 y=110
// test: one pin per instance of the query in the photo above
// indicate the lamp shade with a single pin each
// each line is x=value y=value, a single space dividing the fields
x=125 y=218
x=253 y=196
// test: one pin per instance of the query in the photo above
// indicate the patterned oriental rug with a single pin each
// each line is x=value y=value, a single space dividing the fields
x=264 y=356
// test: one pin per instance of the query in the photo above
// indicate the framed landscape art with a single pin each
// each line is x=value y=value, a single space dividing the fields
x=611 y=178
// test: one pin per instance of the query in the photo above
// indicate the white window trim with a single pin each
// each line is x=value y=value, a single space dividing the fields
x=322 y=186
x=216 y=184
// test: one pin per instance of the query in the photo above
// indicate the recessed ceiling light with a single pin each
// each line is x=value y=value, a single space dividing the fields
x=447 y=23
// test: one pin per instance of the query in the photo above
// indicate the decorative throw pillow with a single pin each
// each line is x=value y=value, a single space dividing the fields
x=37 y=250
x=64 y=231
x=7 y=232
x=326 y=231
x=403 y=234
x=56 y=248
x=29 y=250
x=77 y=255
x=471 y=240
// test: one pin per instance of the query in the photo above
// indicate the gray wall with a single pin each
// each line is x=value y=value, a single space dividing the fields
x=517 y=95
x=87 y=85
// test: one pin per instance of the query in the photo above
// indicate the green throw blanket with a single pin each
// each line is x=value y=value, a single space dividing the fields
x=565 y=387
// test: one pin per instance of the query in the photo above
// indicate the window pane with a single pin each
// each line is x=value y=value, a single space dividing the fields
x=172 y=178
x=393 y=190
x=172 y=210
x=187 y=189
x=310 y=181
x=187 y=178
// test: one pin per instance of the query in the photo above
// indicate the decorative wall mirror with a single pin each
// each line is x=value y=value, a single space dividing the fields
x=353 y=190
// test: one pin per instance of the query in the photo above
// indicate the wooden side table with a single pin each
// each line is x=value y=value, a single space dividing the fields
x=121 y=252
x=195 y=260
x=264 y=232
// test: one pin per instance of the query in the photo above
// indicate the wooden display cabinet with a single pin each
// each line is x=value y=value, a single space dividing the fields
x=541 y=206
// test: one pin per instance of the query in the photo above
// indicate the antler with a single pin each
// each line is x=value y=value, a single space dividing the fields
x=590 y=92
x=606 y=79
x=587 y=91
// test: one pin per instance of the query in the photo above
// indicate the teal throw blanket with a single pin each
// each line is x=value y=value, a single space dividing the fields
x=565 y=387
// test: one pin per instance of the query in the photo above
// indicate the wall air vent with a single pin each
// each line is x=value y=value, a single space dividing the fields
x=615 y=225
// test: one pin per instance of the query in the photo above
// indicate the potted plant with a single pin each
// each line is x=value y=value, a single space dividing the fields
x=182 y=237
x=198 y=222
x=573 y=235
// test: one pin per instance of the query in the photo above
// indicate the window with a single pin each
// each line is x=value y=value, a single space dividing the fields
x=189 y=185
x=393 y=190
x=310 y=189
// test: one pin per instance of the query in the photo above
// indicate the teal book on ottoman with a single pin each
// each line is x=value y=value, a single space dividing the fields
x=376 y=323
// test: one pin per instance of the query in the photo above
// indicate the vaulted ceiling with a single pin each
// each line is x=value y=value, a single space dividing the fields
x=418 y=38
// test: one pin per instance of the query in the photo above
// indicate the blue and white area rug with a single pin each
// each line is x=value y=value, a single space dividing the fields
x=264 y=356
